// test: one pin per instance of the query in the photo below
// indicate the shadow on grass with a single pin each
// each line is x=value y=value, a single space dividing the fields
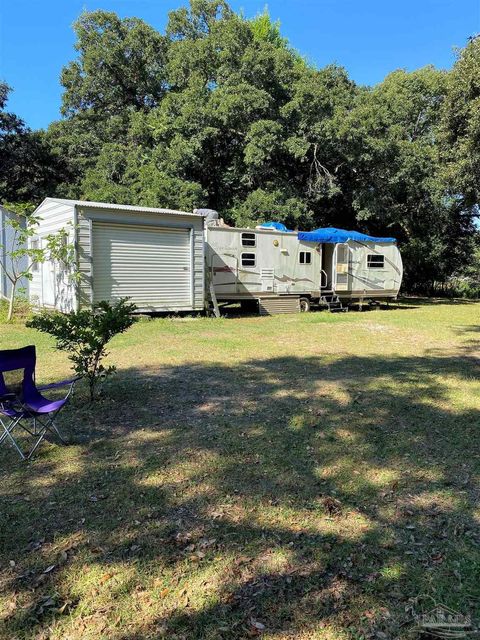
x=403 y=304
x=433 y=301
x=296 y=493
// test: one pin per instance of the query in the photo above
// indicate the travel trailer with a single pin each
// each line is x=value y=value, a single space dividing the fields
x=284 y=271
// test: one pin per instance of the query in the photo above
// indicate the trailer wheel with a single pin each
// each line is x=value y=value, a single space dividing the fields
x=305 y=305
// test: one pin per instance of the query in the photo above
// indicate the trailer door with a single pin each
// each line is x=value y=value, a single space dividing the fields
x=341 y=263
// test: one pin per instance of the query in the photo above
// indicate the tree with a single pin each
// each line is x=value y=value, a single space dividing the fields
x=222 y=112
x=235 y=123
x=85 y=334
x=120 y=66
x=460 y=139
x=230 y=130
x=264 y=29
x=119 y=73
x=198 y=20
x=391 y=136
x=28 y=169
x=18 y=258
x=320 y=102
x=141 y=176
x=23 y=253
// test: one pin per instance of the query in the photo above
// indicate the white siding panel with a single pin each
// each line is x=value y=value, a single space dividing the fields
x=49 y=286
x=54 y=216
x=150 y=265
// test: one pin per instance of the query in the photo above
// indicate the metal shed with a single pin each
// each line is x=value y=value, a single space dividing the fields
x=153 y=256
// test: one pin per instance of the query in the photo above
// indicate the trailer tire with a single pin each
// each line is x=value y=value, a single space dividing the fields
x=305 y=305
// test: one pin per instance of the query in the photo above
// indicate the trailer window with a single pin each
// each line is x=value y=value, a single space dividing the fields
x=248 y=240
x=305 y=257
x=375 y=261
x=248 y=259
x=35 y=245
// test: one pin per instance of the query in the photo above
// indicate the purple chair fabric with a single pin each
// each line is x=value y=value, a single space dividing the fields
x=25 y=406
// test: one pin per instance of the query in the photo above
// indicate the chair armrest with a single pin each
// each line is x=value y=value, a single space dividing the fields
x=57 y=385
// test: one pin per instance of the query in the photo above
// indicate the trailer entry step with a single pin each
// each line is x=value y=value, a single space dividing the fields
x=332 y=302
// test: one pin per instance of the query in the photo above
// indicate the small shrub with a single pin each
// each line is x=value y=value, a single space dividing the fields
x=465 y=286
x=84 y=335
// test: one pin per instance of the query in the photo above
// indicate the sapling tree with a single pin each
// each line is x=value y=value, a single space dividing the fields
x=84 y=335
x=19 y=256
x=22 y=253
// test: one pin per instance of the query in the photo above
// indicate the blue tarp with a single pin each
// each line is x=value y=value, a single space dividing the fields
x=333 y=235
x=273 y=225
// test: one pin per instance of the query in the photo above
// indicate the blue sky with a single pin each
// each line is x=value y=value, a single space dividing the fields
x=369 y=37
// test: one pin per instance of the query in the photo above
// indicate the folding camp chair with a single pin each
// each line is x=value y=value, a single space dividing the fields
x=23 y=406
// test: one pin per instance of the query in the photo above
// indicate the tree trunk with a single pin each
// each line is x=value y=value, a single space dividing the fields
x=11 y=302
x=91 y=386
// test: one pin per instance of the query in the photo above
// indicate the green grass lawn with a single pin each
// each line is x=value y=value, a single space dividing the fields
x=312 y=477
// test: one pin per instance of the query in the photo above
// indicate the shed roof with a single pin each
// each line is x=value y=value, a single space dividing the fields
x=88 y=204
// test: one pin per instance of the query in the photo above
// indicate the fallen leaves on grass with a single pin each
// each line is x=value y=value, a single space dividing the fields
x=51 y=603
x=106 y=577
x=331 y=505
x=256 y=627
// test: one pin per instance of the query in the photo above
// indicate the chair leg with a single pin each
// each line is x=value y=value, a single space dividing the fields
x=7 y=434
x=41 y=435
x=49 y=425
x=53 y=428
x=52 y=419
x=38 y=429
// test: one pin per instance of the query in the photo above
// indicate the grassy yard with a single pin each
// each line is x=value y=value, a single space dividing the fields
x=312 y=477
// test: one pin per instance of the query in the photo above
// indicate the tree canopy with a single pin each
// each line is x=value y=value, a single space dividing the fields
x=220 y=111
x=28 y=169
